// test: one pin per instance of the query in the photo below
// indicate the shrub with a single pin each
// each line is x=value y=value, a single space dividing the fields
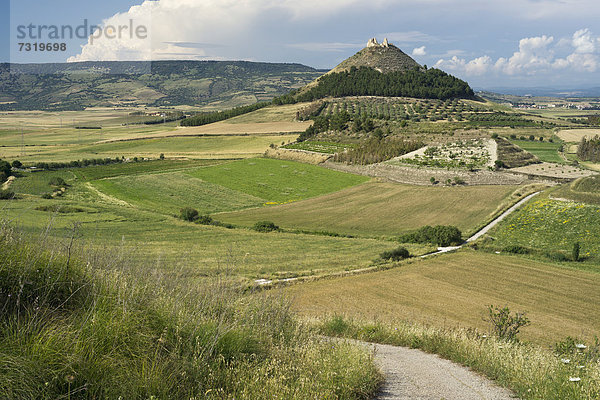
x=265 y=226
x=188 y=214
x=514 y=249
x=576 y=250
x=57 y=181
x=494 y=136
x=5 y=168
x=432 y=180
x=162 y=156
x=556 y=256
x=505 y=325
x=47 y=196
x=499 y=164
x=205 y=220
x=395 y=255
x=458 y=181
x=6 y=195
x=439 y=235
x=17 y=164
x=531 y=137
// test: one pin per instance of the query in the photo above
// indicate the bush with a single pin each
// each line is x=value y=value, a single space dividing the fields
x=57 y=181
x=6 y=195
x=47 y=196
x=576 y=251
x=188 y=214
x=17 y=164
x=556 y=256
x=505 y=325
x=499 y=164
x=395 y=255
x=265 y=226
x=204 y=220
x=162 y=156
x=439 y=235
x=514 y=249
x=5 y=168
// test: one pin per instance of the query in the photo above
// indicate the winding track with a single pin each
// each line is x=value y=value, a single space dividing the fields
x=413 y=374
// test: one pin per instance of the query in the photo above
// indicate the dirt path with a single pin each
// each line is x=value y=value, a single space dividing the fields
x=413 y=374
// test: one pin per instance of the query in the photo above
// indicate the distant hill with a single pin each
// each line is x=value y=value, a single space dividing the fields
x=383 y=57
x=383 y=70
x=74 y=86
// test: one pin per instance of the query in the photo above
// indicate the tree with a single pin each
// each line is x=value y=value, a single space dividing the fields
x=505 y=325
x=576 y=251
x=17 y=164
x=188 y=214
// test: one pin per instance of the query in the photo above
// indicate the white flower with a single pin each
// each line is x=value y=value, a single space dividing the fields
x=565 y=360
x=581 y=346
x=573 y=379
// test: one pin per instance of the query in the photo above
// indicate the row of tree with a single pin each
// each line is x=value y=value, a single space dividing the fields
x=589 y=150
x=425 y=84
x=211 y=117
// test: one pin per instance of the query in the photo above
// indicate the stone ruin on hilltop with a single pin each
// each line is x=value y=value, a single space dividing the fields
x=373 y=43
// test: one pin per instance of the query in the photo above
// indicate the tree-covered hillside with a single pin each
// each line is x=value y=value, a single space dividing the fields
x=417 y=83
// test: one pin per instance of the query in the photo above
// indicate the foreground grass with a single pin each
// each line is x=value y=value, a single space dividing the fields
x=384 y=209
x=454 y=290
x=102 y=326
x=530 y=371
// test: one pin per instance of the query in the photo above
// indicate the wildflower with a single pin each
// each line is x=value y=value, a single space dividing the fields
x=574 y=379
x=581 y=346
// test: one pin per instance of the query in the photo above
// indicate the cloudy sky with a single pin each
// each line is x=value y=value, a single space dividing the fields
x=490 y=43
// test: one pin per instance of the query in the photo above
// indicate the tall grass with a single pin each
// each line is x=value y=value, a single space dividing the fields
x=77 y=323
x=530 y=371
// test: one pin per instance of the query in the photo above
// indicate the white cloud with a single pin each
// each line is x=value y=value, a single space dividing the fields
x=535 y=55
x=419 y=51
x=583 y=42
x=212 y=21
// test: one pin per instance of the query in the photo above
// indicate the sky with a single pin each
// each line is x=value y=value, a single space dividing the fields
x=489 y=43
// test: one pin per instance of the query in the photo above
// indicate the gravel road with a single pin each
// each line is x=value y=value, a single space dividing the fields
x=413 y=374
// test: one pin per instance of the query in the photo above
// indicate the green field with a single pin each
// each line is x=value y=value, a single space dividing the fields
x=545 y=151
x=384 y=209
x=277 y=181
x=132 y=205
x=548 y=225
x=455 y=290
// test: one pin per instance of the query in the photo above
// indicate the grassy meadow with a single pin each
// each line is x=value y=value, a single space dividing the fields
x=135 y=205
x=377 y=208
x=553 y=226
